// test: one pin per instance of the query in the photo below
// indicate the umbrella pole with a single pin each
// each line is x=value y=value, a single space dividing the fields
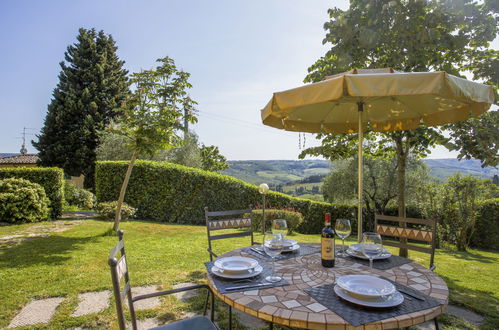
x=360 y=173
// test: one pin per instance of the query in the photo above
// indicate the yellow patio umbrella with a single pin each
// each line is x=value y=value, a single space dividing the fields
x=385 y=99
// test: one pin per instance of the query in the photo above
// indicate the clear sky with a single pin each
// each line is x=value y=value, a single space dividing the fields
x=238 y=54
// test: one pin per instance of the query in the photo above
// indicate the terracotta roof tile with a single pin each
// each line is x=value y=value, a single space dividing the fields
x=20 y=159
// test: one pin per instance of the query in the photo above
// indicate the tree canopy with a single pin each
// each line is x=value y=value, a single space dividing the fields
x=113 y=146
x=92 y=82
x=410 y=36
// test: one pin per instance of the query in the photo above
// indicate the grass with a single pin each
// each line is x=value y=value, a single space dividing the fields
x=75 y=261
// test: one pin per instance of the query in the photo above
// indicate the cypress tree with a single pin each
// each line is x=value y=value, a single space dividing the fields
x=92 y=83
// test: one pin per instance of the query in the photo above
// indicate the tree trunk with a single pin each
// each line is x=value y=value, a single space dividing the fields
x=462 y=240
x=401 y=167
x=128 y=173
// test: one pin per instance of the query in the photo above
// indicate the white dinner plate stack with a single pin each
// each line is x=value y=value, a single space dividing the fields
x=355 y=250
x=236 y=267
x=289 y=245
x=366 y=290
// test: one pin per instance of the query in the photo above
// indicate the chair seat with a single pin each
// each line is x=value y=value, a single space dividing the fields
x=197 y=323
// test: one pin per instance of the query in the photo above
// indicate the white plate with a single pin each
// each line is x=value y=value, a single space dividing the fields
x=254 y=272
x=288 y=244
x=358 y=248
x=353 y=253
x=236 y=265
x=365 y=286
x=392 y=300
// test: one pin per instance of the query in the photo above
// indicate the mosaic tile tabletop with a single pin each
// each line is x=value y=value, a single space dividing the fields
x=290 y=305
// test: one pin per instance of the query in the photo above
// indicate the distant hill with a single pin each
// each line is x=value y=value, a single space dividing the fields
x=280 y=172
x=276 y=171
x=443 y=168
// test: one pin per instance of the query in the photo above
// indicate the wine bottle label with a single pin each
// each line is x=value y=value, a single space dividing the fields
x=327 y=245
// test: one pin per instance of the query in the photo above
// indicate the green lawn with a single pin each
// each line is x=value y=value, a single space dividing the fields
x=75 y=261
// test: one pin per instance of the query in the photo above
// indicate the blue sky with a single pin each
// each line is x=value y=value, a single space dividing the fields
x=238 y=53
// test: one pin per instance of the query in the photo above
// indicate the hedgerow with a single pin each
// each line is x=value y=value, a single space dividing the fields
x=173 y=193
x=486 y=233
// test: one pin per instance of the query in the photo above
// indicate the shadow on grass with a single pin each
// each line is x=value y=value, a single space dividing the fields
x=51 y=250
x=479 y=301
x=467 y=255
x=197 y=275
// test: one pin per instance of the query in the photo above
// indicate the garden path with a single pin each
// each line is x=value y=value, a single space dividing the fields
x=42 y=229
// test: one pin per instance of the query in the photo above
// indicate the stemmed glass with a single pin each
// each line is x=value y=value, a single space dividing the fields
x=343 y=229
x=279 y=228
x=272 y=245
x=372 y=246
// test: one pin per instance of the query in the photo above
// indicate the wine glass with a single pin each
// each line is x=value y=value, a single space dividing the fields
x=272 y=245
x=343 y=229
x=279 y=227
x=371 y=246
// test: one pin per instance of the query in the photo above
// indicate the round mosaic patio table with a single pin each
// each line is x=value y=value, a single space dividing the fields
x=290 y=305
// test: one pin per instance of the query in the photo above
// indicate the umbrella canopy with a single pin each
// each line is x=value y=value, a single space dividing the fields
x=393 y=101
x=384 y=99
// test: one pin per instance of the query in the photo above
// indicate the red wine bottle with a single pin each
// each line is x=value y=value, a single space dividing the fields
x=327 y=243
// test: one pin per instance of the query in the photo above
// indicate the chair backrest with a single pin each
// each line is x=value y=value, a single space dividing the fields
x=414 y=234
x=119 y=272
x=233 y=219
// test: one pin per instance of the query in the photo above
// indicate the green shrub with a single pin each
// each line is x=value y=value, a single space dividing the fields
x=168 y=192
x=22 y=201
x=80 y=197
x=50 y=178
x=107 y=210
x=293 y=219
x=486 y=234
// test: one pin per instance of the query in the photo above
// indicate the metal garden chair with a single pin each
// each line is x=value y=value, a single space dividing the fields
x=119 y=274
x=413 y=234
x=233 y=219
x=219 y=220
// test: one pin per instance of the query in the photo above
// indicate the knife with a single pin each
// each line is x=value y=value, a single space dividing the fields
x=411 y=295
x=258 y=251
x=246 y=286
x=402 y=290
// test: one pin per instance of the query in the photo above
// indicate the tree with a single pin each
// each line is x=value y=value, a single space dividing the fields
x=212 y=159
x=113 y=146
x=477 y=138
x=460 y=207
x=152 y=116
x=380 y=186
x=409 y=36
x=92 y=82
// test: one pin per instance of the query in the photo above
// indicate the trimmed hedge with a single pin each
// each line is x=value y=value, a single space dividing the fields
x=486 y=234
x=50 y=178
x=174 y=193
